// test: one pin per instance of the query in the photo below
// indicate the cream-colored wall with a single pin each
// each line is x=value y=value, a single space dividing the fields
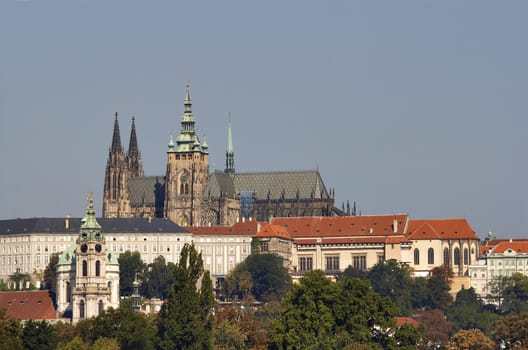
x=221 y=253
x=422 y=269
x=318 y=253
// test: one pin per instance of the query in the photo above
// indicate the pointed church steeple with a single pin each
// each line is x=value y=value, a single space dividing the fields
x=135 y=165
x=230 y=152
x=116 y=138
x=116 y=177
x=133 y=146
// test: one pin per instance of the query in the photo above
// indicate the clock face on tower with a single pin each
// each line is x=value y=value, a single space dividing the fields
x=98 y=248
x=84 y=248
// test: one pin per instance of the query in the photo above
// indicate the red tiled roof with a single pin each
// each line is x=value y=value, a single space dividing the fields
x=249 y=227
x=440 y=229
x=518 y=247
x=352 y=240
x=400 y=321
x=274 y=231
x=344 y=226
x=28 y=305
x=495 y=241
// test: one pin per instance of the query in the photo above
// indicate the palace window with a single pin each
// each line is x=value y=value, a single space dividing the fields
x=98 y=268
x=332 y=263
x=359 y=262
x=264 y=246
x=84 y=268
x=305 y=264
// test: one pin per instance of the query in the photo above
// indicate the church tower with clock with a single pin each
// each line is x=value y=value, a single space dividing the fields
x=87 y=273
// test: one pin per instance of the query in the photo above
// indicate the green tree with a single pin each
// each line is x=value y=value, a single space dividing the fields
x=516 y=294
x=497 y=287
x=186 y=317
x=10 y=332
x=50 y=277
x=76 y=343
x=238 y=283
x=308 y=321
x=468 y=312
x=132 y=330
x=130 y=265
x=391 y=279
x=228 y=332
x=439 y=297
x=352 y=272
x=159 y=278
x=39 y=335
x=270 y=279
x=512 y=331
x=321 y=314
x=106 y=344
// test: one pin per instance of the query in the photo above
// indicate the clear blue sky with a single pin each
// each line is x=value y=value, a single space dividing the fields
x=404 y=106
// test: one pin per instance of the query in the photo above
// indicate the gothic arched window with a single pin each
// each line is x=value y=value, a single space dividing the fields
x=466 y=256
x=98 y=268
x=186 y=188
x=456 y=256
x=446 y=256
x=182 y=189
x=416 y=256
x=84 y=268
x=430 y=256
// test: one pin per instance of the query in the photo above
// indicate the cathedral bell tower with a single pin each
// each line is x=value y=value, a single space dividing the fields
x=96 y=285
x=187 y=171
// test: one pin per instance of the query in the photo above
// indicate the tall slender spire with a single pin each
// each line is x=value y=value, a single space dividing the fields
x=230 y=151
x=133 y=149
x=116 y=138
x=135 y=165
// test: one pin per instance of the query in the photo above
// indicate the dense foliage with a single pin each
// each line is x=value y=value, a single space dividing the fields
x=187 y=317
x=262 y=276
x=356 y=312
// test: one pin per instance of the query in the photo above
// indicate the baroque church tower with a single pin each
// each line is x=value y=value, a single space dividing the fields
x=87 y=272
x=187 y=171
x=119 y=168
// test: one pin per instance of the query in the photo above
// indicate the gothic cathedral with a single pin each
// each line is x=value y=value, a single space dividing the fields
x=189 y=195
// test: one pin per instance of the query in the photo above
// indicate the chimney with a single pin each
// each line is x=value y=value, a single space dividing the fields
x=67 y=222
x=395 y=226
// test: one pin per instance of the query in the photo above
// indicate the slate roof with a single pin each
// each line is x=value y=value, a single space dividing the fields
x=279 y=183
x=108 y=225
x=28 y=305
x=440 y=229
x=146 y=189
x=220 y=181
